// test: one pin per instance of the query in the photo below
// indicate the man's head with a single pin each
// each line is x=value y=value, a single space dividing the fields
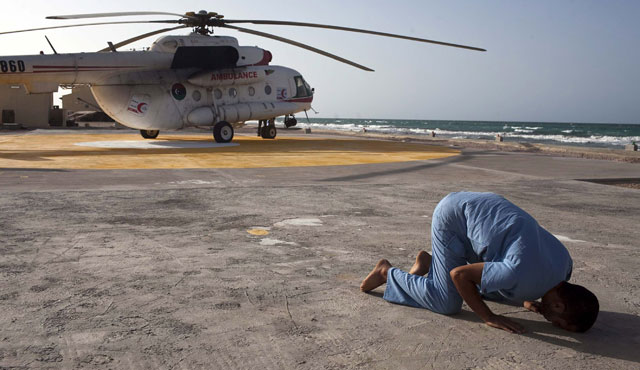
x=571 y=307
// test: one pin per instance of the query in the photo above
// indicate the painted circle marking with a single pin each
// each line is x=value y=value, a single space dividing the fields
x=128 y=151
x=178 y=91
x=258 y=232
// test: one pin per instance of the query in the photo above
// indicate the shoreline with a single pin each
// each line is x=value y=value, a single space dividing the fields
x=621 y=155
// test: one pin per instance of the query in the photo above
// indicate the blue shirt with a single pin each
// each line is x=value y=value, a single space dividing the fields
x=522 y=261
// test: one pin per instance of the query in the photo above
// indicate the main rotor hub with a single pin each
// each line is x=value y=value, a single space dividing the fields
x=202 y=21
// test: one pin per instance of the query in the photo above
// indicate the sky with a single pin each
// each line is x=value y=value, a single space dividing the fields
x=547 y=61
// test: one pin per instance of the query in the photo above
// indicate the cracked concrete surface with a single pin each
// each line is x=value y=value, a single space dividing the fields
x=158 y=269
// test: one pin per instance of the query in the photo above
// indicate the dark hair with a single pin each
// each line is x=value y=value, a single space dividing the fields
x=581 y=306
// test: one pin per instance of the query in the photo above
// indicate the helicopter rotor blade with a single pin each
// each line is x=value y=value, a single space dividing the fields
x=117 y=14
x=87 y=24
x=300 y=45
x=140 y=37
x=340 y=28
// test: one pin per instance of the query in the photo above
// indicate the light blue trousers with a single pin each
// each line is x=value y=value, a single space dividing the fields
x=435 y=291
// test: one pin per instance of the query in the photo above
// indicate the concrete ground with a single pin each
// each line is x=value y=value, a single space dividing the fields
x=247 y=268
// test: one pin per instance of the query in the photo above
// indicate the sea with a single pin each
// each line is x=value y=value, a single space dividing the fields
x=602 y=135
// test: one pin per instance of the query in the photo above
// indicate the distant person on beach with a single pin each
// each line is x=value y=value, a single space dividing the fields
x=484 y=246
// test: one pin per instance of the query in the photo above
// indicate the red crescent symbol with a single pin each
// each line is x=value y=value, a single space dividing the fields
x=140 y=107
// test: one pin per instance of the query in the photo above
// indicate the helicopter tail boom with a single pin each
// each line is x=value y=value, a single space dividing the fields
x=69 y=69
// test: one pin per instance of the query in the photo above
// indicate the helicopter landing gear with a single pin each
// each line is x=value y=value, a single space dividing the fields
x=290 y=121
x=223 y=132
x=149 y=134
x=268 y=131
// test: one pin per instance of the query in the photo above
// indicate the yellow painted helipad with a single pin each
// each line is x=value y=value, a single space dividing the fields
x=124 y=151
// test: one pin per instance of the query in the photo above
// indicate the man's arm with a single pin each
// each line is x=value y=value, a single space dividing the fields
x=466 y=278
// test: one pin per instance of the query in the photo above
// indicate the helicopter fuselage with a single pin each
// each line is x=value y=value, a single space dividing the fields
x=180 y=81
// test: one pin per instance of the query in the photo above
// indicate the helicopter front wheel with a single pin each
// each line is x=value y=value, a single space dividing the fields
x=149 y=134
x=290 y=121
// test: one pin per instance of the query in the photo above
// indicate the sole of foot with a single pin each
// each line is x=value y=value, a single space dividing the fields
x=376 y=277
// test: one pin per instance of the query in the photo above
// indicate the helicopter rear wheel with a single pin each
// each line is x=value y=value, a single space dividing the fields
x=149 y=134
x=223 y=132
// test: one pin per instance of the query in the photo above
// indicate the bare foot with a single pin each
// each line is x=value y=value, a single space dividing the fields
x=422 y=265
x=376 y=277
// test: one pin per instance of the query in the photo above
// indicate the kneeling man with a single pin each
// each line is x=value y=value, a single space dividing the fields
x=484 y=246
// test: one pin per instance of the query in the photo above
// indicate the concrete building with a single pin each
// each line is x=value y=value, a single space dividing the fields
x=81 y=108
x=80 y=99
x=27 y=110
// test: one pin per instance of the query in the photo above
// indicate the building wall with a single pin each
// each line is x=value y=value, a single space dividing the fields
x=30 y=110
x=78 y=99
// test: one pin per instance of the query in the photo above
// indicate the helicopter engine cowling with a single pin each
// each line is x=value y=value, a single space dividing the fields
x=253 y=56
x=245 y=55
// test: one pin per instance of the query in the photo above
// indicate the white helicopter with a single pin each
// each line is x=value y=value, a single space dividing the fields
x=182 y=81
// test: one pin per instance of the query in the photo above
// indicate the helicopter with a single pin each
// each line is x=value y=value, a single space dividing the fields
x=195 y=80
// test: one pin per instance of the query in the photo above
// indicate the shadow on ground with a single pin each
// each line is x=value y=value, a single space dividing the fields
x=614 y=335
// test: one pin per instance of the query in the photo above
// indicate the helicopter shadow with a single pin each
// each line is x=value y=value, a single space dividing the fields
x=430 y=164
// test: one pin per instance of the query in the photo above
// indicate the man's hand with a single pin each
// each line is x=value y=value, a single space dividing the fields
x=533 y=306
x=501 y=322
x=466 y=279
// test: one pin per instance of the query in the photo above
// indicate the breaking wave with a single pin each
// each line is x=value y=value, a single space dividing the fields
x=583 y=134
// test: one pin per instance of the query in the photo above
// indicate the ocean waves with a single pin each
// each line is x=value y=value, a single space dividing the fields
x=583 y=134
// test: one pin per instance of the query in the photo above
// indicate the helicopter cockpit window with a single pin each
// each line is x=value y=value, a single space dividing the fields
x=302 y=87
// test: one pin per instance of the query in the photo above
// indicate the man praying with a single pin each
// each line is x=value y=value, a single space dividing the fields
x=484 y=246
